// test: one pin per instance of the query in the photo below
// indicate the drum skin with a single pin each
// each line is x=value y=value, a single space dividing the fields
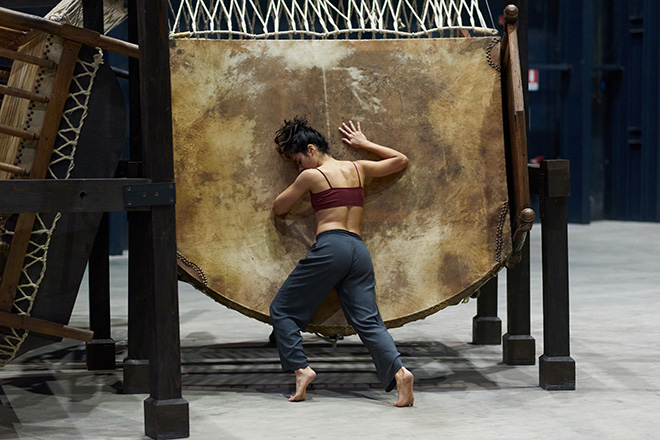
x=436 y=231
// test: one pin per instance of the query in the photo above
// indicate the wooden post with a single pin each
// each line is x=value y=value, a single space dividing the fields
x=136 y=364
x=518 y=345
x=93 y=15
x=101 y=350
x=556 y=367
x=486 y=325
x=166 y=412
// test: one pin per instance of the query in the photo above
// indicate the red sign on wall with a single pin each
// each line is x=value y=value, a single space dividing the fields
x=533 y=82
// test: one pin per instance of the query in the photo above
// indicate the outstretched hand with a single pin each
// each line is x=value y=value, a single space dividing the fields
x=353 y=136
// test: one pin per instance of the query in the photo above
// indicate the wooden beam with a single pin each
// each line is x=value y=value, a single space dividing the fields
x=136 y=364
x=25 y=22
x=20 y=56
x=23 y=134
x=23 y=94
x=29 y=3
x=517 y=126
x=82 y=195
x=54 y=110
x=19 y=171
x=15 y=259
x=26 y=38
x=37 y=325
x=8 y=36
x=21 y=21
x=518 y=344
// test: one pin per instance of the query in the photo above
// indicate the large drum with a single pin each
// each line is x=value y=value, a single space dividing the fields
x=437 y=231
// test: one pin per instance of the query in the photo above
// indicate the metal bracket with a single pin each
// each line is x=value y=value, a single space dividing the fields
x=149 y=194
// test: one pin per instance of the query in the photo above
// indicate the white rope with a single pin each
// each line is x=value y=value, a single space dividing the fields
x=325 y=18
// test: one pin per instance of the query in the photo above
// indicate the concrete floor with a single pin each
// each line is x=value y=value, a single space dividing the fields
x=236 y=391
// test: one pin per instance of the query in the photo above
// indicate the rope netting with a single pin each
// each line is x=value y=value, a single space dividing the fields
x=354 y=19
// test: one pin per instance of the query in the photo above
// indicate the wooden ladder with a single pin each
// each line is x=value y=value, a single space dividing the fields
x=16 y=30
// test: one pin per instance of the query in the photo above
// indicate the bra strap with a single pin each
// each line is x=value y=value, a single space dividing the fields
x=358 y=174
x=326 y=177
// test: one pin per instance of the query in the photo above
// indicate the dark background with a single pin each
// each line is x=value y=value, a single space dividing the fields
x=597 y=103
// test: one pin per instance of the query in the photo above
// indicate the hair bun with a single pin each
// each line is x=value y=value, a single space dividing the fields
x=294 y=136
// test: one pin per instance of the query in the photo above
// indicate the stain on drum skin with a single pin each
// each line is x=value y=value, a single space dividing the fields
x=432 y=230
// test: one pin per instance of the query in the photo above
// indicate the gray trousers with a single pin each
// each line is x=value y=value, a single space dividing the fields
x=341 y=260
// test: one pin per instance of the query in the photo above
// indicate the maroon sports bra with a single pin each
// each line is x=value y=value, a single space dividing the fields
x=335 y=197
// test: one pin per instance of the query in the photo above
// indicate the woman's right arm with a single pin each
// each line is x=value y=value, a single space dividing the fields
x=392 y=160
x=287 y=198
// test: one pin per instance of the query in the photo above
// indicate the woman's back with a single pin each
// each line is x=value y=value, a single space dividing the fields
x=336 y=185
x=344 y=179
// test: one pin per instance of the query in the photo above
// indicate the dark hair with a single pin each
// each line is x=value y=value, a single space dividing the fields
x=294 y=136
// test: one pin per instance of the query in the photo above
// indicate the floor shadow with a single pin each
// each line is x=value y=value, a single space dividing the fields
x=348 y=366
x=255 y=366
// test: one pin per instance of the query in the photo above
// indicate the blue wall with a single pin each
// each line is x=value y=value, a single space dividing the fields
x=598 y=102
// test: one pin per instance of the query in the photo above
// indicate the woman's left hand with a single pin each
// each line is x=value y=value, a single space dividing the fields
x=353 y=136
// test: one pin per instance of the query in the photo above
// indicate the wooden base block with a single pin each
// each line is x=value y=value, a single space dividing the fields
x=101 y=354
x=519 y=350
x=165 y=419
x=556 y=373
x=486 y=330
x=136 y=376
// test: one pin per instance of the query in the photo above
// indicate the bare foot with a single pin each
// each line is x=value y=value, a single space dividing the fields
x=304 y=376
x=404 y=386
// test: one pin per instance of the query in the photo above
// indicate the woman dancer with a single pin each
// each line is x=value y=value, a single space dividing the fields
x=339 y=258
